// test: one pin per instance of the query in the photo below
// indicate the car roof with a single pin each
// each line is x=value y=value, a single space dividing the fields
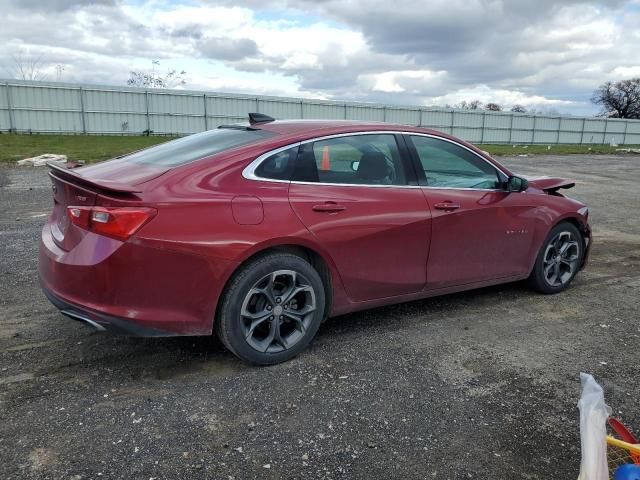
x=328 y=127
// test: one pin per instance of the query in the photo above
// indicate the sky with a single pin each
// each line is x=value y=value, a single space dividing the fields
x=542 y=54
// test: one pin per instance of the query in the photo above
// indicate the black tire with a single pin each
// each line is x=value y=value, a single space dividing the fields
x=288 y=330
x=558 y=260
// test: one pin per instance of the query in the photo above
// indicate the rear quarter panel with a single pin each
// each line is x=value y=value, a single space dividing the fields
x=195 y=216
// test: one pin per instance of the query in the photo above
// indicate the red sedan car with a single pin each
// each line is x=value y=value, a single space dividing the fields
x=263 y=230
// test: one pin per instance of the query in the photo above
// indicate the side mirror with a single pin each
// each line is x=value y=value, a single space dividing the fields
x=354 y=165
x=517 y=184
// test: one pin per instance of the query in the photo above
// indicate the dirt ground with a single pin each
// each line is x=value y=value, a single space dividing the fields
x=481 y=385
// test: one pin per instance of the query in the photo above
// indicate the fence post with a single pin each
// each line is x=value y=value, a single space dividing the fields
x=511 y=128
x=453 y=121
x=301 y=109
x=604 y=135
x=82 y=111
x=146 y=104
x=582 y=131
x=206 y=120
x=384 y=114
x=484 y=114
x=558 y=132
x=257 y=105
x=12 y=125
x=624 y=134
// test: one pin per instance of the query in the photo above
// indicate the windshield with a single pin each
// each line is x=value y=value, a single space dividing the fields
x=193 y=147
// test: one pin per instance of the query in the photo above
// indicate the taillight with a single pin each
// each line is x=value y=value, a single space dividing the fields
x=115 y=222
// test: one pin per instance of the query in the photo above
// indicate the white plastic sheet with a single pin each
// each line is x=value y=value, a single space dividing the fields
x=593 y=431
x=42 y=160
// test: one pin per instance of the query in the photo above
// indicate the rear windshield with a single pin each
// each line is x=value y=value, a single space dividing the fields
x=187 y=149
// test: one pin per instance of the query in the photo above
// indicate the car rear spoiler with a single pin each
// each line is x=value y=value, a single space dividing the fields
x=66 y=174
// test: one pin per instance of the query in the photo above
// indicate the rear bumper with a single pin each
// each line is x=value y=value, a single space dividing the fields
x=131 y=287
x=103 y=322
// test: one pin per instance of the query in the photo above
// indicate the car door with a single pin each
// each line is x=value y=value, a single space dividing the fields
x=479 y=230
x=353 y=193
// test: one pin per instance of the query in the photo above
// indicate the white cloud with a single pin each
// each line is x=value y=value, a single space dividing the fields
x=541 y=54
x=506 y=98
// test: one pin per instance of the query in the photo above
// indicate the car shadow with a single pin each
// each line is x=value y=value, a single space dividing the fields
x=181 y=358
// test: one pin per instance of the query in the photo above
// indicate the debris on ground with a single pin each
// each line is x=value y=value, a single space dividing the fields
x=628 y=150
x=42 y=160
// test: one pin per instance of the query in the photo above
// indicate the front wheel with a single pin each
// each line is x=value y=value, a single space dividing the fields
x=272 y=309
x=559 y=259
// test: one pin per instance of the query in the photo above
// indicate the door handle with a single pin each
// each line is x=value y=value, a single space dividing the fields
x=328 y=207
x=446 y=206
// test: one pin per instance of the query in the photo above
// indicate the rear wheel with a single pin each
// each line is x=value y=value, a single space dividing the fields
x=272 y=309
x=559 y=259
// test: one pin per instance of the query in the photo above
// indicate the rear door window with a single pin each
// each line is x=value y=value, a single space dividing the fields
x=369 y=159
x=194 y=147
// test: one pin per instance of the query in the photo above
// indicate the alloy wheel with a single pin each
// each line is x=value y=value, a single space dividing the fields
x=277 y=311
x=560 y=260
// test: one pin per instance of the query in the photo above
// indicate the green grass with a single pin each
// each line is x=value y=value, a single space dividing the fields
x=95 y=148
x=551 y=149
x=90 y=148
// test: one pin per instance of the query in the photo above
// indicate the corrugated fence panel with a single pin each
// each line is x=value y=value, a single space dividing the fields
x=521 y=136
x=215 y=122
x=116 y=123
x=468 y=119
x=402 y=116
x=570 y=137
x=176 y=124
x=176 y=113
x=365 y=113
x=70 y=108
x=329 y=111
x=229 y=107
x=571 y=124
x=44 y=98
x=496 y=135
x=114 y=101
x=633 y=127
x=3 y=96
x=437 y=119
x=497 y=121
x=469 y=134
x=594 y=125
x=47 y=121
x=5 y=123
x=179 y=104
x=522 y=122
x=497 y=128
x=545 y=137
x=280 y=109
x=547 y=123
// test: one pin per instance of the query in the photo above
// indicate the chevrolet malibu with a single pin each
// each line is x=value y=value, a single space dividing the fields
x=262 y=230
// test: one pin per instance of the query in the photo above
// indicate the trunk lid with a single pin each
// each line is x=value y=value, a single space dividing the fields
x=77 y=188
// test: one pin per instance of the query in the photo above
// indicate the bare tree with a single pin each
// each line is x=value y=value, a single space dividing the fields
x=493 y=107
x=150 y=79
x=620 y=99
x=472 y=105
x=518 y=109
x=27 y=67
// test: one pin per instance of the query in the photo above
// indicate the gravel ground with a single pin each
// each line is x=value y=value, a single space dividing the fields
x=482 y=384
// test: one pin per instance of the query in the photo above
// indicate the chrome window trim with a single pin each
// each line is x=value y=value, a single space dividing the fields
x=249 y=171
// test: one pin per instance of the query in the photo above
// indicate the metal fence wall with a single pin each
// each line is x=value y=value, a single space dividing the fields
x=42 y=107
